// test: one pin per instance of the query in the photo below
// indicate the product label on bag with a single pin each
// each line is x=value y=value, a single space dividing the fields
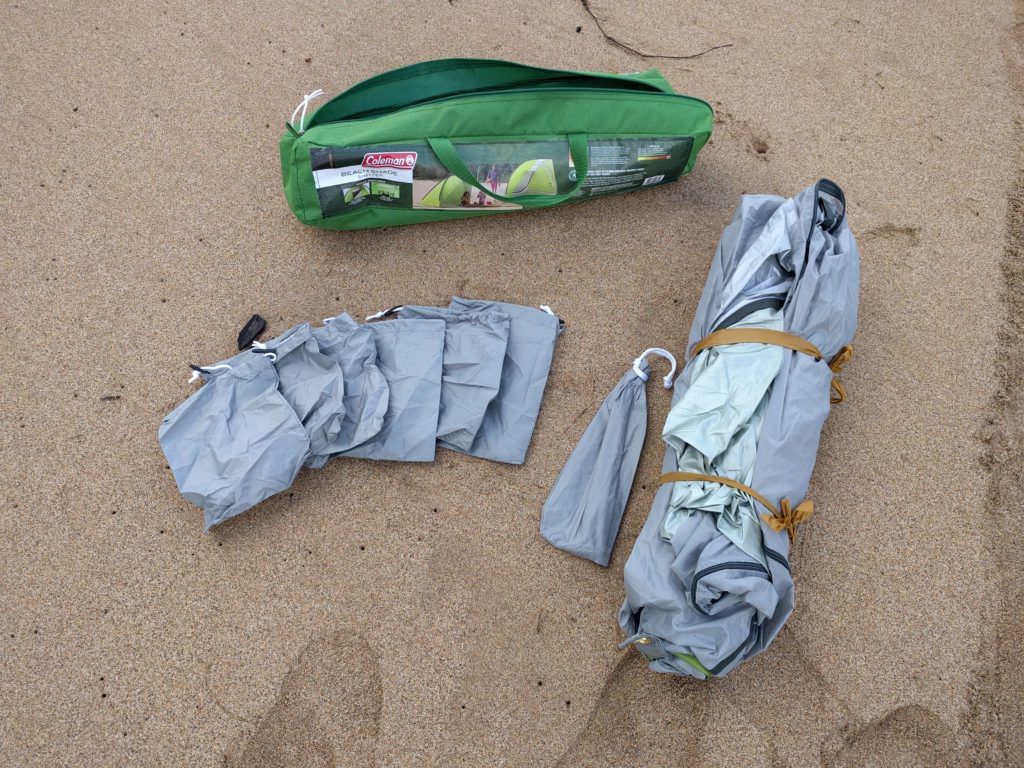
x=411 y=176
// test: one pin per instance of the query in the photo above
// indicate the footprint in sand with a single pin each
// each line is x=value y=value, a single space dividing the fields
x=903 y=237
x=908 y=737
x=641 y=718
x=326 y=713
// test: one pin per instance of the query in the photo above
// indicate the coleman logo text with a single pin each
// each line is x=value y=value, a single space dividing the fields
x=401 y=160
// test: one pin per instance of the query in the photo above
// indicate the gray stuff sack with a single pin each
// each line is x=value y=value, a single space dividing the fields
x=506 y=430
x=311 y=382
x=409 y=355
x=366 y=391
x=474 y=353
x=583 y=512
x=236 y=441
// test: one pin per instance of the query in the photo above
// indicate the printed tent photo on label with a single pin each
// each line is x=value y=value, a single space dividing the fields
x=534 y=177
x=384 y=189
x=356 y=193
x=446 y=194
x=708 y=583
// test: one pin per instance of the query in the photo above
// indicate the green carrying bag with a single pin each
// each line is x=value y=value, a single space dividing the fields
x=455 y=138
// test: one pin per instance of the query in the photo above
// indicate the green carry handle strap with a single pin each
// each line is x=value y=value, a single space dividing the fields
x=578 y=150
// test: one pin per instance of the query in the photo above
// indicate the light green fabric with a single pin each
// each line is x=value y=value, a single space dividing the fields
x=714 y=429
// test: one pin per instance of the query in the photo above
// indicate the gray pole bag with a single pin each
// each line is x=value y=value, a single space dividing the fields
x=708 y=582
x=583 y=512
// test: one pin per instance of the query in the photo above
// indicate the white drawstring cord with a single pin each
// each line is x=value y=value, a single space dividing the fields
x=195 y=374
x=547 y=309
x=260 y=348
x=667 y=381
x=304 y=106
x=385 y=313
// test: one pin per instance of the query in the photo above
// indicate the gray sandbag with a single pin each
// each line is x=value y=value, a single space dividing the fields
x=409 y=355
x=583 y=512
x=311 y=382
x=474 y=354
x=366 y=391
x=236 y=441
x=507 y=427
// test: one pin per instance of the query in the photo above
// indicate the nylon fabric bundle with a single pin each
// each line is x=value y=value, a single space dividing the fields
x=474 y=354
x=697 y=603
x=236 y=441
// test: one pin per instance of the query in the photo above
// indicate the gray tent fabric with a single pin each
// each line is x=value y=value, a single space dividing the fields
x=583 y=512
x=311 y=382
x=409 y=355
x=474 y=354
x=469 y=377
x=508 y=424
x=236 y=440
x=697 y=604
x=366 y=390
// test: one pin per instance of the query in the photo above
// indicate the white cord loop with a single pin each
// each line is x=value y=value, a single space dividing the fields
x=208 y=369
x=304 y=105
x=385 y=313
x=260 y=348
x=667 y=381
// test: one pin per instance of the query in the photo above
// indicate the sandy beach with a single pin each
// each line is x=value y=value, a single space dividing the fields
x=383 y=614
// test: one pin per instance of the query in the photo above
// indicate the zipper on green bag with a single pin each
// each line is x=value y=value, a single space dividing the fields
x=580 y=90
x=397 y=75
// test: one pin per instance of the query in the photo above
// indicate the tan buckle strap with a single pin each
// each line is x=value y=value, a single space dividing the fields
x=778 y=339
x=784 y=517
x=756 y=336
x=836 y=365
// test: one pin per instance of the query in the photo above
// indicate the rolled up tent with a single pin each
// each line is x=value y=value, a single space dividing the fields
x=708 y=583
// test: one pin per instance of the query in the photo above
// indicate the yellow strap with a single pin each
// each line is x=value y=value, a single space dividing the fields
x=836 y=365
x=756 y=336
x=784 y=517
x=778 y=339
